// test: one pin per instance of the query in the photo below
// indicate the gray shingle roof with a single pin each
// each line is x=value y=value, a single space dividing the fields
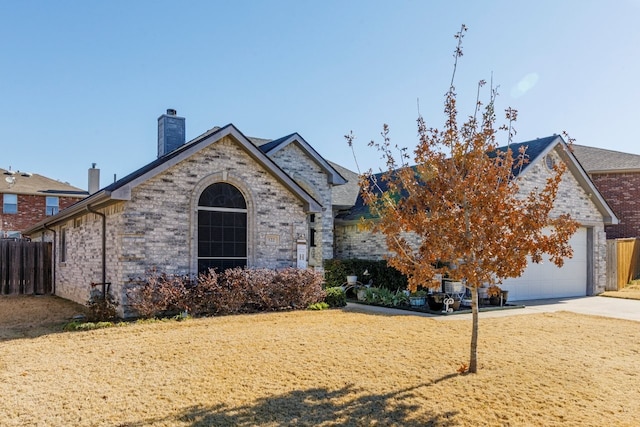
x=345 y=196
x=535 y=148
x=595 y=159
x=121 y=189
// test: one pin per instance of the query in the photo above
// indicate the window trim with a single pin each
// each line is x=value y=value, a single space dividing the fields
x=201 y=208
x=48 y=206
x=5 y=196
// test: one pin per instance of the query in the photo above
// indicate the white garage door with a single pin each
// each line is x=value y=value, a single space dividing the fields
x=545 y=280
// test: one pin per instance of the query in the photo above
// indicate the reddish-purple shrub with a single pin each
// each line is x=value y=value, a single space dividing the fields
x=235 y=290
x=159 y=294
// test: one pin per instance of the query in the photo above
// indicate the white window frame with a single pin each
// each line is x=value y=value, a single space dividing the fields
x=6 y=202
x=52 y=209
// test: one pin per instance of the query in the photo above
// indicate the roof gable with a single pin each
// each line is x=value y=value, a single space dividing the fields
x=542 y=146
x=535 y=150
x=333 y=176
x=122 y=187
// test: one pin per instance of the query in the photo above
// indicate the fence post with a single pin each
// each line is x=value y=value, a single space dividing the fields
x=612 y=266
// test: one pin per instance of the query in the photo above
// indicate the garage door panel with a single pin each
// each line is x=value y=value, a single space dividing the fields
x=546 y=280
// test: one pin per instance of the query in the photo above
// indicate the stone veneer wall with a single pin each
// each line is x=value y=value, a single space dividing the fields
x=158 y=226
x=314 y=180
x=352 y=242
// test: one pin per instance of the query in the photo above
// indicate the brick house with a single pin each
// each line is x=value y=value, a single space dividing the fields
x=29 y=198
x=224 y=200
x=617 y=177
x=219 y=200
x=584 y=274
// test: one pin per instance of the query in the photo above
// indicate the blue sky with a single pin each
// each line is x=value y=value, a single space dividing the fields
x=84 y=82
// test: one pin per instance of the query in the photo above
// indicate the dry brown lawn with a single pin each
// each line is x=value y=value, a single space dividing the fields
x=631 y=291
x=321 y=368
x=22 y=317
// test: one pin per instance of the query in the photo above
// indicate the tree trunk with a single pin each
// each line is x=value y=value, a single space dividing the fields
x=473 y=357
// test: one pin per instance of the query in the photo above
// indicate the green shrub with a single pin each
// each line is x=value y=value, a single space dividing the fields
x=371 y=295
x=318 y=306
x=87 y=326
x=400 y=298
x=385 y=296
x=382 y=275
x=379 y=296
x=335 y=297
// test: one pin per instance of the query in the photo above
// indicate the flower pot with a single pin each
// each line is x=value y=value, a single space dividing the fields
x=361 y=294
x=435 y=302
x=352 y=280
x=417 y=301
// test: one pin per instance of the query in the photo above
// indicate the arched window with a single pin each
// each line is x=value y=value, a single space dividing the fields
x=222 y=228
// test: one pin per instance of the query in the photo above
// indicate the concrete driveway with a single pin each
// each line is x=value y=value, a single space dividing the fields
x=596 y=306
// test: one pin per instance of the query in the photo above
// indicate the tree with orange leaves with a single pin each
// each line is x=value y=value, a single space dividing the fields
x=461 y=199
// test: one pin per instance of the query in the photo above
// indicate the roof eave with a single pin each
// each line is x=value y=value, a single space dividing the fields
x=614 y=171
x=95 y=201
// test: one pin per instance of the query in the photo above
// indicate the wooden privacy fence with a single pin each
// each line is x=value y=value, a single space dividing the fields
x=25 y=267
x=622 y=262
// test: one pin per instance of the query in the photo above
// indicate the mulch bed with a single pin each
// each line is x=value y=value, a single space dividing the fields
x=427 y=309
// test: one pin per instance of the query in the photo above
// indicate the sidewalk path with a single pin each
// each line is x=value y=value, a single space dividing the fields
x=596 y=306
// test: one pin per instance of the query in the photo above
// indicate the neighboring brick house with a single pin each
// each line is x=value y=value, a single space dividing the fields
x=29 y=198
x=584 y=274
x=219 y=200
x=617 y=177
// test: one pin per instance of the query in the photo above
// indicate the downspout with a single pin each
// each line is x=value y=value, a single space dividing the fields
x=55 y=239
x=104 y=249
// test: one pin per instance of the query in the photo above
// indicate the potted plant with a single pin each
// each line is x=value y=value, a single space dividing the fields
x=504 y=294
x=436 y=301
x=418 y=298
x=352 y=279
x=494 y=292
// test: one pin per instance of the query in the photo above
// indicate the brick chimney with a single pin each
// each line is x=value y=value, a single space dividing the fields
x=171 y=132
x=94 y=179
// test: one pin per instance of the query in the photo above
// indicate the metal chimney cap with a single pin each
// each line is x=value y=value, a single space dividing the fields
x=171 y=112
